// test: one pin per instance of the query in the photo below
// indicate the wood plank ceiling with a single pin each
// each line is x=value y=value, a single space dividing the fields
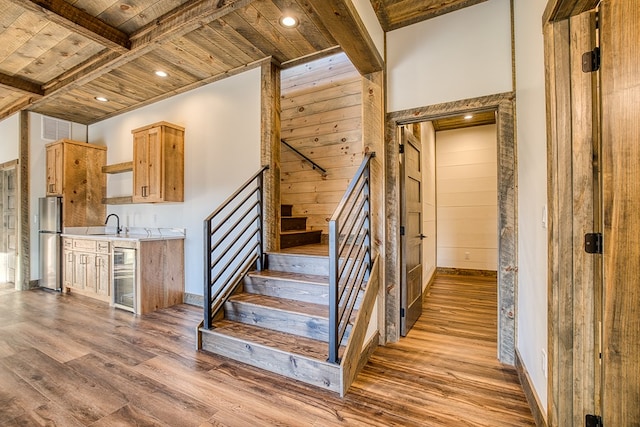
x=57 y=56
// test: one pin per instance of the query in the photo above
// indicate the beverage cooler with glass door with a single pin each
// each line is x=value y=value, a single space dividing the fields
x=124 y=278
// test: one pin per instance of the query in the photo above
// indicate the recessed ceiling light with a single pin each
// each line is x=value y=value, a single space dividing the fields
x=468 y=117
x=101 y=99
x=289 y=21
x=161 y=73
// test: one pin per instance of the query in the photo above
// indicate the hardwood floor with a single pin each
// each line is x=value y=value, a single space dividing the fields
x=71 y=361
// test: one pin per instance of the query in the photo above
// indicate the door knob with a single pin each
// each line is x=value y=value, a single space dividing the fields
x=422 y=236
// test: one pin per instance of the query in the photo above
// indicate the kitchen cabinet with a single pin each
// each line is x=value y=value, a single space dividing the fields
x=92 y=266
x=159 y=273
x=86 y=267
x=54 y=170
x=67 y=265
x=74 y=172
x=158 y=163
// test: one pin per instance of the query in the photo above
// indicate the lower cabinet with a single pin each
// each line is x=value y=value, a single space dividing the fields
x=103 y=281
x=157 y=274
x=86 y=267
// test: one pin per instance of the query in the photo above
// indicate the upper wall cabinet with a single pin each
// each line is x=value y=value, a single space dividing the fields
x=74 y=172
x=158 y=163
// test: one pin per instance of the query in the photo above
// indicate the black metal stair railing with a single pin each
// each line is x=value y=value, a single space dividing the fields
x=233 y=240
x=314 y=165
x=349 y=254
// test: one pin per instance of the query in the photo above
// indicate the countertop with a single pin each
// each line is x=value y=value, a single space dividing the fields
x=130 y=234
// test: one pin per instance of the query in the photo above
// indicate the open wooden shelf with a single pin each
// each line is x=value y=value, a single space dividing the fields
x=118 y=168
x=122 y=200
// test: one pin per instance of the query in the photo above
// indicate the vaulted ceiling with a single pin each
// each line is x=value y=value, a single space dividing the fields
x=58 y=56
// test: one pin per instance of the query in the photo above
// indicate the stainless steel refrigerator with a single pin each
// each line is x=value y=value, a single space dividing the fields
x=50 y=227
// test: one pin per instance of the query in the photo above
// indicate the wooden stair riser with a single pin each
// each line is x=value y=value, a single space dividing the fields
x=293 y=223
x=291 y=239
x=286 y=210
x=278 y=320
x=303 y=264
x=316 y=293
x=290 y=322
x=315 y=372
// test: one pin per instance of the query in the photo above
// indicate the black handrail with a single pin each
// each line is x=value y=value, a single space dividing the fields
x=314 y=165
x=233 y=243
x=349 y=254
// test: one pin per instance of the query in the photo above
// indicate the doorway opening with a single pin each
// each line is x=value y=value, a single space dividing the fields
x=502 y=106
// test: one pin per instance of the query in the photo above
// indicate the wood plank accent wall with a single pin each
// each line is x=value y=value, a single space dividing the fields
x=322 y=118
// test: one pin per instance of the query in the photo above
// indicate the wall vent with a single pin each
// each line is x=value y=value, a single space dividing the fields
x=54 y=129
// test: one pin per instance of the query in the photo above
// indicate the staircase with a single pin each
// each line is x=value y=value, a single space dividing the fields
x=278 y=321
x=305 y=317
x=293 y=229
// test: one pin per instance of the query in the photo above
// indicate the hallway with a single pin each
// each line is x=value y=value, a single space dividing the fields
x=71 y=361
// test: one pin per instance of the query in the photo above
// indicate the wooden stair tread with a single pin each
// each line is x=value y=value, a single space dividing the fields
x=300 y=232
x=294 y=277
x=299 y=307
x=294 y=344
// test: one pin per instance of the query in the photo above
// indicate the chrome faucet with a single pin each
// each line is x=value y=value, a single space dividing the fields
x=118 y=229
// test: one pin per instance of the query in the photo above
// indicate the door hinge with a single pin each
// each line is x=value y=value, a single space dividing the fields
x=593 y=243
x=591 y=61
x=401 y=148
x=402 y=230
x=402 y=312
x=593 y=421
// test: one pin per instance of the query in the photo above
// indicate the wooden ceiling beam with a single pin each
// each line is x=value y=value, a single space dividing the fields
x=19 y=105
x=21 y=85
x=423 y=13
x=62 y=13
x=381 y=12
x=170 y=26
x=343 y=22
x=184 y=19
x=558 y=10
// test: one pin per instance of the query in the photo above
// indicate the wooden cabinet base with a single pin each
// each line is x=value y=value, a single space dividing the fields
x=160 y=275
x=87 y=293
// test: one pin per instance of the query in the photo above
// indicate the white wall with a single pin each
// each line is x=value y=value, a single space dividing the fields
x=370 y=20
x=467 y=194
x=9 y=138
x=222 y=150
x=37 y=179
x=428 y=136
x=459 y=55
x=532 y=187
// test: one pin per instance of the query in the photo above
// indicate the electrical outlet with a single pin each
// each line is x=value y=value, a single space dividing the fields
x=544 y=363
x=467 y=256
